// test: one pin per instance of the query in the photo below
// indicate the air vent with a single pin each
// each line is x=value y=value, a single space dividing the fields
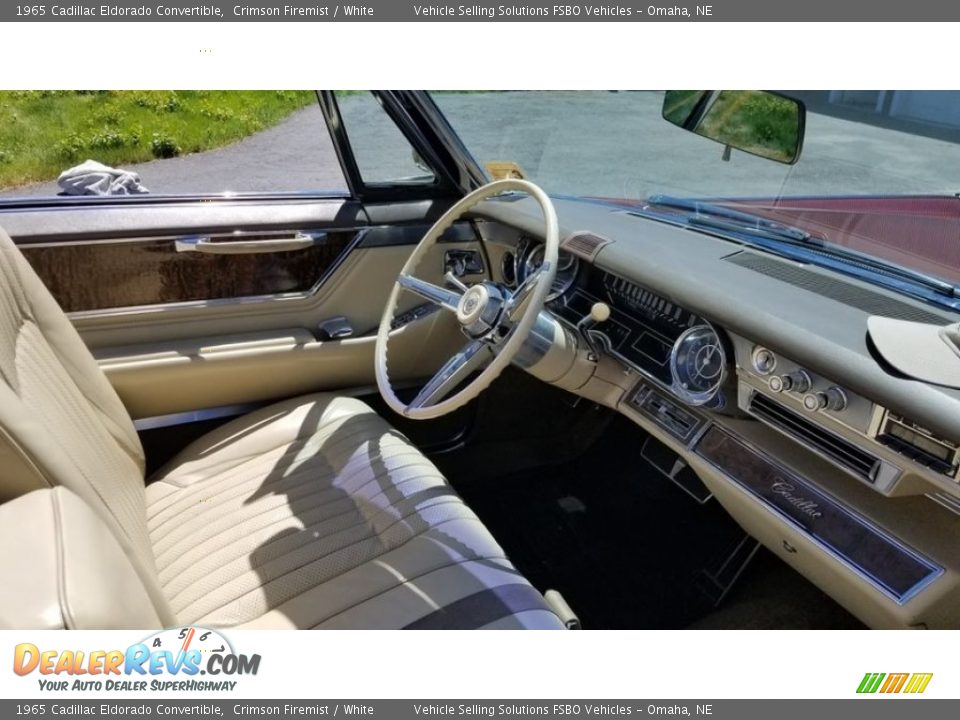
x=919 y=444
x=680 y=422
x=585 y=244
x=870 y=302
x=841 y=452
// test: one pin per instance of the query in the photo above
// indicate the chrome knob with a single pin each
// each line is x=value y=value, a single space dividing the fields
x=775 y=384
x=764 y=361
x=832 y=399
x=797 y=381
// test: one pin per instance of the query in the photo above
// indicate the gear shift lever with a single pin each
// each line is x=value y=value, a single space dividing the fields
x=599 y=312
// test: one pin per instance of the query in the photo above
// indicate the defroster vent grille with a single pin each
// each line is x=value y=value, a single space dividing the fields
x=849 y=294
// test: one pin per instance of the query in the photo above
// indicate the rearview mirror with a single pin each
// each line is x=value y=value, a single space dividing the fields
x=755 y=121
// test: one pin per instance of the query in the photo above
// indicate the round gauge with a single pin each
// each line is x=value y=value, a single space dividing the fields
x=698 y=364
x=567 y=266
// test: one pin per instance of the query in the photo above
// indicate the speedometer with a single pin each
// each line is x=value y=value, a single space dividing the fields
x=698 y=364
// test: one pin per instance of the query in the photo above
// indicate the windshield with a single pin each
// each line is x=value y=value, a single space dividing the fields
x=878 y=171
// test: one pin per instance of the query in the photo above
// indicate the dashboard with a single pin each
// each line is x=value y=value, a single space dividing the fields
x=772 y=396
x=687 y=358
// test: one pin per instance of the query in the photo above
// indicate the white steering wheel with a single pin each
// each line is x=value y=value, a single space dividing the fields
x=495 y=320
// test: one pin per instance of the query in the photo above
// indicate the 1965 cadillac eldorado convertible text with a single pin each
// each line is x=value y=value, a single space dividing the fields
x=545 y=360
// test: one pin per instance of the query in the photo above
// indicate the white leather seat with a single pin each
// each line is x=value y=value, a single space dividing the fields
x=311 y=513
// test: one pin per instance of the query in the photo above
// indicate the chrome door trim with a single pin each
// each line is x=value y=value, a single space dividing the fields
x=254 y=244
x=192 y=416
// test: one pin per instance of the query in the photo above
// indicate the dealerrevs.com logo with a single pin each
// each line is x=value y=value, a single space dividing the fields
x=170 y=660
x=892 y=683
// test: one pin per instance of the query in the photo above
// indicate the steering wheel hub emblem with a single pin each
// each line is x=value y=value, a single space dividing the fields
x=472 y=305
x=479 y=309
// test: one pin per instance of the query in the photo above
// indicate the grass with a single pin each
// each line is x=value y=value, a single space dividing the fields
x=43 y=132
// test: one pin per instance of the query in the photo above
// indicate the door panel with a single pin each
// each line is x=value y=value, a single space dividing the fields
x=190 y=358
x=180 y=331
x=167 y=378
x=357 y=289
x=152 y=271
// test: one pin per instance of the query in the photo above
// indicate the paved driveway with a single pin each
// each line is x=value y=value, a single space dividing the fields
x=592 y=143
x=295 y=154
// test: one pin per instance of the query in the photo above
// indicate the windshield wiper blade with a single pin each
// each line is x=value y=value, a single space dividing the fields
x=708 y=214
x=718 y=217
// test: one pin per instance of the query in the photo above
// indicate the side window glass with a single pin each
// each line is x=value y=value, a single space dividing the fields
x=383 y=155
x=164 y=142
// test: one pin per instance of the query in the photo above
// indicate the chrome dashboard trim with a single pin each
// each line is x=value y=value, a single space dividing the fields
x=949 y=502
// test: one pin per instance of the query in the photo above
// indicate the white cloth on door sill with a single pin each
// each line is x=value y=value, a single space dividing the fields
x=94 y=178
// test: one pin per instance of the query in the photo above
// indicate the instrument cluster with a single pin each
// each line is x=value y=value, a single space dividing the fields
x=676 y=348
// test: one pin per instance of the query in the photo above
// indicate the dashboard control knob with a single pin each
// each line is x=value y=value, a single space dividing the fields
x=764 y=361
x=797 y=381
x=775 y=384
x=833 y=398
x=600 y=312
x=836 y=398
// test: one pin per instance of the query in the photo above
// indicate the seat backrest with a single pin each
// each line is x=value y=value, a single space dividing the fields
x=61 y=423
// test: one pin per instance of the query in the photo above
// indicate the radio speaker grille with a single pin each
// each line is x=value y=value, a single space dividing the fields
x=585 y=244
